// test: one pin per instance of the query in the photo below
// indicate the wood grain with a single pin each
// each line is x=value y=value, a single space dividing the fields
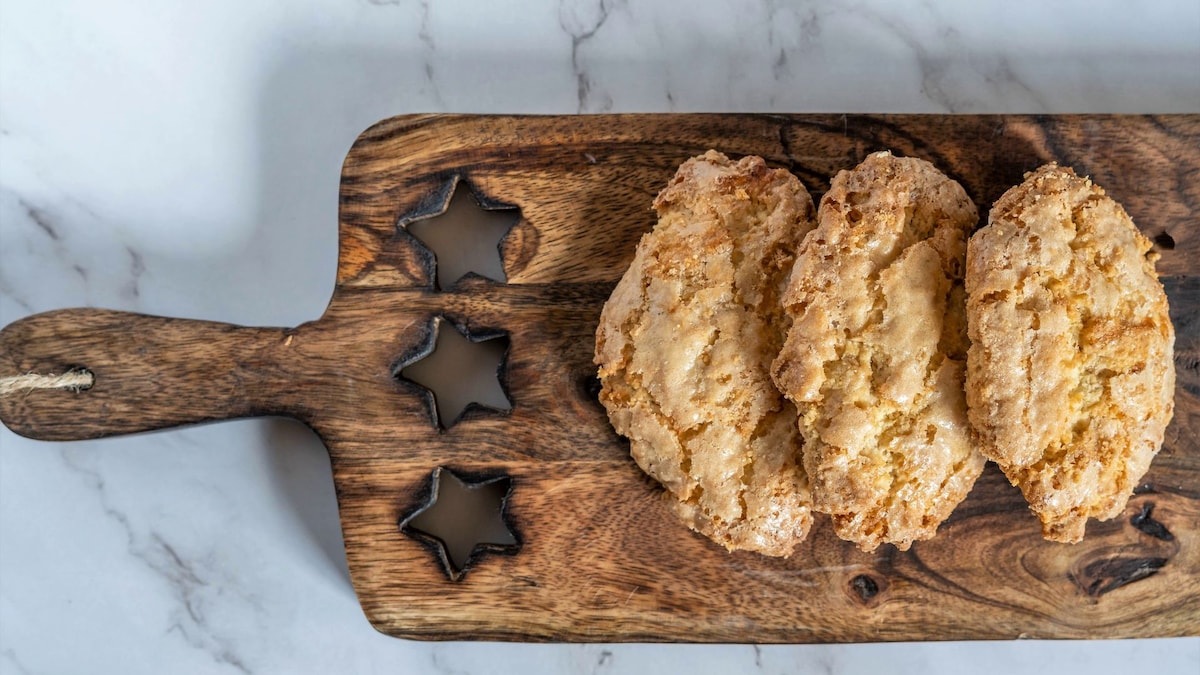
x=602 y=557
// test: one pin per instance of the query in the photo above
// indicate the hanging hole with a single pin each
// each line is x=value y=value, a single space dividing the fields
x=82 y=379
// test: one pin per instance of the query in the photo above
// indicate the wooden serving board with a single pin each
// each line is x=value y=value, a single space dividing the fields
x=600 y=557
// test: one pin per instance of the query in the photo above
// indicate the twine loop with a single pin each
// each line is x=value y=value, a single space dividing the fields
x=74 y=380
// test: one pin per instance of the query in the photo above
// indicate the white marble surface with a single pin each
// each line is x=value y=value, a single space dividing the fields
x=182 y=159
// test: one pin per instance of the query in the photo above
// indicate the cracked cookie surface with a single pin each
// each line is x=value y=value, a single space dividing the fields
x=1070 y=374
x=685 y=344
x=875 y=357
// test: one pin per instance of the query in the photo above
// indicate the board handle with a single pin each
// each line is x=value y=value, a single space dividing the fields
x=147 y=372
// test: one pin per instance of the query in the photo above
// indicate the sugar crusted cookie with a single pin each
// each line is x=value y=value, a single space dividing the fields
x=1070 y=375
x=684 y=347
x=875 y=356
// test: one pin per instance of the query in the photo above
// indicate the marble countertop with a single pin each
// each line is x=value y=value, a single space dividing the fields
x=182 y=159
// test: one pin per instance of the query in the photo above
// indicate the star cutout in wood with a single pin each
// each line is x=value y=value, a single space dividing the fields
x=464 y=233
x=458 y=371
x=463 y=520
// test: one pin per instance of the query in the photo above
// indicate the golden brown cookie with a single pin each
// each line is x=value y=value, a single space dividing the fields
x=1070 y=376
x=685 y=343
x=875 y=358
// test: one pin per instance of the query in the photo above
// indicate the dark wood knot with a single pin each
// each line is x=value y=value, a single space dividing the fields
x=1164 y=241
x=1144 y=521
x=864 y=588
x=590 y=385
x=1102 y=576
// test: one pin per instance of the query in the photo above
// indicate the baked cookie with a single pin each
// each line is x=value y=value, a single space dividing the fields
x=875 y=357
x=1070 y=378
x=685 y=343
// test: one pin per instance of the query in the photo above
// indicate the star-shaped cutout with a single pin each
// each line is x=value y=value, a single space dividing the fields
x=464 y=234
x=463 y=520
x=458 y=371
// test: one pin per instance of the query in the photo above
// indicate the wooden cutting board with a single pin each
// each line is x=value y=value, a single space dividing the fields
x=599 y=557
